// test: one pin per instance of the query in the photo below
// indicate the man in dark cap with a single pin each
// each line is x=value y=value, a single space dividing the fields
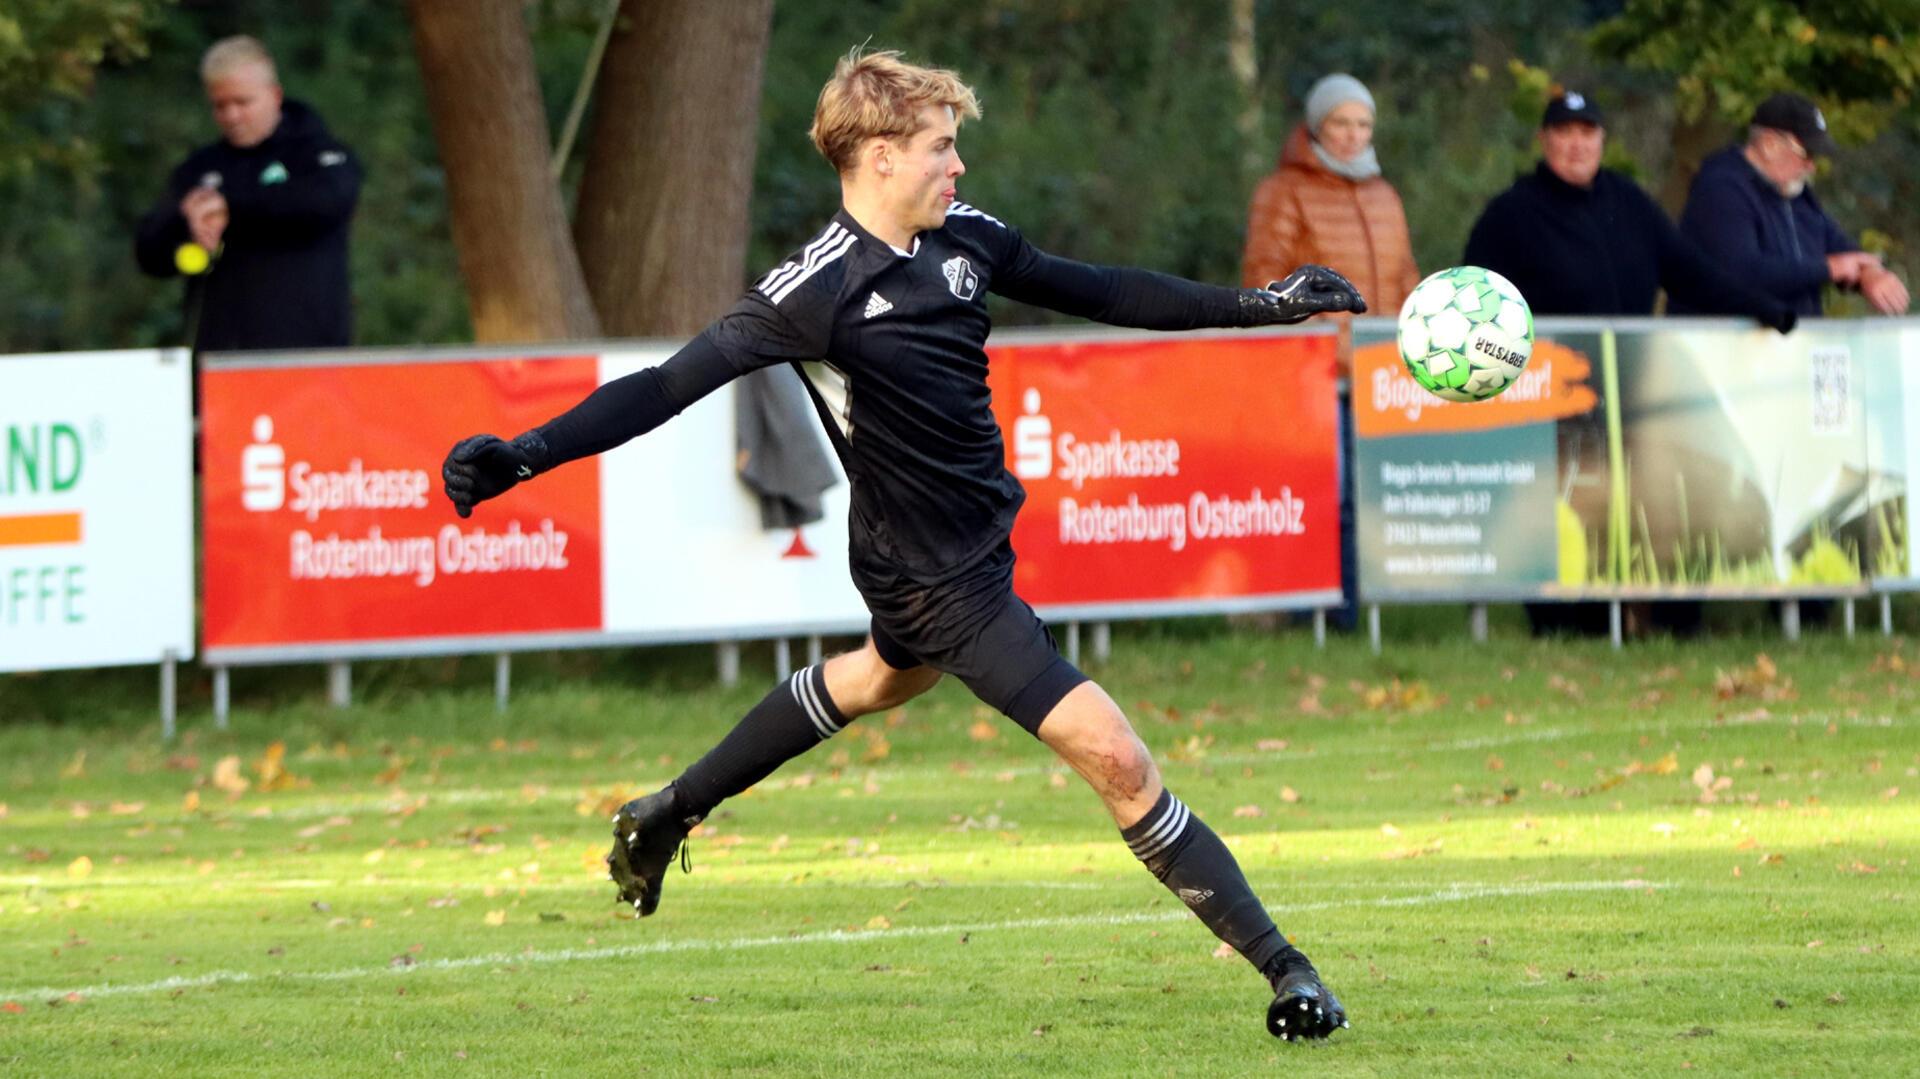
x=1751 y=211
x=1578 y=239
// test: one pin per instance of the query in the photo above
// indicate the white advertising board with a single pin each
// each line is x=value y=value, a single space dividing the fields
x=96 y=509
x=683 y=549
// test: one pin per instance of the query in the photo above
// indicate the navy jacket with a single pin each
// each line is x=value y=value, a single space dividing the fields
x=1607 y=249
x=1777 y=244
x=281 y=278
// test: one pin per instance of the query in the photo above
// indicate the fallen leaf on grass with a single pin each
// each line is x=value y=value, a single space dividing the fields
x=227 y=777
x=80 y=868
x=1224 y=951
x=11 y=1008
x=191 y=803
x=1289 y=795
x=272 y=769
x=496 y=917
x=77 y=767
x=879 y=921
x=1246 y=811
x=1271 y=745
x=983 y=731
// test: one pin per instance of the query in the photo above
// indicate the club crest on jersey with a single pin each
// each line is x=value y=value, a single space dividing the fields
x=961 y=279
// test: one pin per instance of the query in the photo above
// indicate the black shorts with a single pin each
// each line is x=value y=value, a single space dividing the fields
x=974 y=628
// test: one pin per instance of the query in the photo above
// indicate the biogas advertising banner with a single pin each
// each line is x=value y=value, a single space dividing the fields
x=1191 y=472
x=324 y=519
x=1640 y=459
x=96 y=509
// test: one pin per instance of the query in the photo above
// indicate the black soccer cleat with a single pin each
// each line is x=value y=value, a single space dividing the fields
x=646 y=834
x=1303 y=1007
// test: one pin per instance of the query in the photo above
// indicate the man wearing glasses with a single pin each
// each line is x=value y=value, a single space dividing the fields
x=1750 y=209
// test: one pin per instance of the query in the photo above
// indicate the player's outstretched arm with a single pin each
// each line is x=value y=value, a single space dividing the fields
x=487 y=466
x=1124 y=296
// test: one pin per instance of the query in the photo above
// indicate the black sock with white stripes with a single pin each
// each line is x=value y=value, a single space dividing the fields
x=1190 y=860
x=792 y=719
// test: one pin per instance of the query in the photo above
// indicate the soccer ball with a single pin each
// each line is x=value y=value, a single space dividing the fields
x=1466 y=333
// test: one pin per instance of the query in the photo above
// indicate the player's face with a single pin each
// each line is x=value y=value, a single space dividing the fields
x=1572 y=151
x=1347 y=131
x=246 y=104
x=925 y=167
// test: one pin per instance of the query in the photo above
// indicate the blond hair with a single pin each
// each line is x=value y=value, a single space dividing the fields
x=878 y=94
x=229 y=54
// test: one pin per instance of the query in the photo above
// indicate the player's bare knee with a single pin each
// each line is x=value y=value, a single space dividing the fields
x=1117 y=762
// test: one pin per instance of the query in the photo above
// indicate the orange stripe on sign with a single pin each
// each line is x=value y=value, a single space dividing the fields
x=34 y=528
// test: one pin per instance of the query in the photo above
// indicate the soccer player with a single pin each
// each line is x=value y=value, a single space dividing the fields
x=892 y=294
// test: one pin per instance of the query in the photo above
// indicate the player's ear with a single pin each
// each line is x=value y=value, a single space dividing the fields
x=878 y=153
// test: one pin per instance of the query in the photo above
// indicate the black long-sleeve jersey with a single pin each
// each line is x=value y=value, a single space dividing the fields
x=931 y=491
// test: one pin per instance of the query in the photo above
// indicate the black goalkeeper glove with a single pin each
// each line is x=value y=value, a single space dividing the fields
x=1307 y=291
x=484 y=467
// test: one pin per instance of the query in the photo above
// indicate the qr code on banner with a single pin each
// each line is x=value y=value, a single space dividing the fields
x=1832 y=389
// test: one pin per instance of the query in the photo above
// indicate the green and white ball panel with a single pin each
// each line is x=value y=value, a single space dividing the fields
x=1465 y=333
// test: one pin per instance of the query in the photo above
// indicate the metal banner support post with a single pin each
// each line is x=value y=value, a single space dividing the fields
x=222 y=696
x=782 y=659
x=1790 y=619
x=1477 y=622
x=1102 y=641
x=502 y=680
x=169 y=693
x=339 y=683
x=727 y=655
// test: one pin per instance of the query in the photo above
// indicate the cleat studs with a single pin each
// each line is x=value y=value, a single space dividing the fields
x=633 y=836
x=1283 y=1022
x=1303 y=1005
x=1344 y=1024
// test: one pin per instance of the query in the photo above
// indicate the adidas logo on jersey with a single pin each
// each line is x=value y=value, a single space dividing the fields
x=877 y=305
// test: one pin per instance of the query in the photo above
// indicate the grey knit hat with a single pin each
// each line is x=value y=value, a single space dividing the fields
x=1330 y=93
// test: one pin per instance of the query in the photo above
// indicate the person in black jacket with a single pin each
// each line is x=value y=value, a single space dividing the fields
x=1578 y=239
x=1751 y=210
x=263 y=214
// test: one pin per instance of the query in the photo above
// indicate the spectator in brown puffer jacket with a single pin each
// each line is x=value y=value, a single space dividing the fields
x=1327 y=203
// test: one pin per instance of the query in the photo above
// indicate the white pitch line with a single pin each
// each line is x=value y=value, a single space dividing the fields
x=1452 y=894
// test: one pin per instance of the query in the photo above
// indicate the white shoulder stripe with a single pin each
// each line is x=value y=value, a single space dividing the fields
x=793 y=266
x=809 y=257
x=819 y=260
x=964 y=210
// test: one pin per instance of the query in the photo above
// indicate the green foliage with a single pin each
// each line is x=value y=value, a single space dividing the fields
x=1859 y=58
x=49 y=53
x=1109 y=132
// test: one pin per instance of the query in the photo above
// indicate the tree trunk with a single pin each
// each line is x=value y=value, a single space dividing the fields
x=1241 y=52
x=662 y=222
x=509 y=226
x=1693 y=140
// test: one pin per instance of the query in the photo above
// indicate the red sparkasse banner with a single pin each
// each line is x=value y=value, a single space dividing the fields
x=1172 y=469
x=325 y=522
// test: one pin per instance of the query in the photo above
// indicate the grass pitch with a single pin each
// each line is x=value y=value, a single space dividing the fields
x=1508 y=859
